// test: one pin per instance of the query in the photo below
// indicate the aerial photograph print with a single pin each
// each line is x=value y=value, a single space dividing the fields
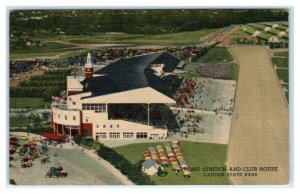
x=148 y=97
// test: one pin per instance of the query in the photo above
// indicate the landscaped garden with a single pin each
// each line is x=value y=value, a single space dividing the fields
x=195 y=154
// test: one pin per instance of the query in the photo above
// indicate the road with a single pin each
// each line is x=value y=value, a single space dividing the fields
x=259 y=130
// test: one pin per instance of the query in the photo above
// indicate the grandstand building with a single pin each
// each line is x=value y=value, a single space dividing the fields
x=122 y=100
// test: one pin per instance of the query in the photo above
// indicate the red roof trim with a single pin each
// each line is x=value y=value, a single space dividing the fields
x=52 y=136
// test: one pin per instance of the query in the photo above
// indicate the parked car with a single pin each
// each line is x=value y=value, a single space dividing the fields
x=34 y=139
x=26 y=165
x=24 y=138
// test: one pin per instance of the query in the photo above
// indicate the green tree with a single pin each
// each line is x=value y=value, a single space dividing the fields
x=77 y=139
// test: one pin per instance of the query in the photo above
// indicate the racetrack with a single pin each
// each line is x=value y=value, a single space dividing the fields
x=259 y=130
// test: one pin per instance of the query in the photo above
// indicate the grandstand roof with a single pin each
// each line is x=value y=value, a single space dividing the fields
x=145 y=95
x=129 y=74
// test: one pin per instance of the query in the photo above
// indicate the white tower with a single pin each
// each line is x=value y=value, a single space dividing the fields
x=88 y=68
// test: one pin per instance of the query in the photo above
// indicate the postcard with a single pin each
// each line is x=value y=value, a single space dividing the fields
x=148 y=97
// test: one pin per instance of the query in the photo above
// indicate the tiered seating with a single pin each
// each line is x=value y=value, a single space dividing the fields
x=136 y=113
x=185 y=92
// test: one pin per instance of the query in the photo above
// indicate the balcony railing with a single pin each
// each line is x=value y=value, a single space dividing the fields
x=62 y=107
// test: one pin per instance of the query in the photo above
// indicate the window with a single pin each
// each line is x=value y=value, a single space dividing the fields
x=114 y=135
x=98 y=108
x=97 y=126
x=104 y=126
x=74 y=118
x=141 y=135
x=86 y=120
x=111 y=126
x=127 y=135
x=101 y=135
x=66 y=117
x=59 y=116
x=118 y=126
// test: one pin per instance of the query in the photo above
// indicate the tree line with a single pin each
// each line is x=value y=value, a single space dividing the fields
x=89 y=22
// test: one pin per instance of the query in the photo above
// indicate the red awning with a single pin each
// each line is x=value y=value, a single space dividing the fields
x=52 y=136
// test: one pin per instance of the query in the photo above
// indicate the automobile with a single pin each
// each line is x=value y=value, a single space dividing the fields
x=18 y=149
x=49 y=174
x=26 y=165
x=34 y=139
x=44 y=160
x=31 y=143
x=25 y=160
x=24 y=138
x=35 y=155
x=56 y=174
x=63 y=174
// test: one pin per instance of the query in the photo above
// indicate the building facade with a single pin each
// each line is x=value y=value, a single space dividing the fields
x=102 y=107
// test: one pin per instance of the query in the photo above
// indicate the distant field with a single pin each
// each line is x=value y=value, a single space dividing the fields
x=281 y=54
x=64 y=50
x=281 y=62
x=283 y=74
x=49 y=46
x=174 y=38
x=18 y=122
x=216 y=55
x=30 y=55
x=26 y=102
x=72 y=54
x=233 y=72
x=195 y=154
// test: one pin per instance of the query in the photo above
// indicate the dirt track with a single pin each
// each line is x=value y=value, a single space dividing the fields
x=259 y=130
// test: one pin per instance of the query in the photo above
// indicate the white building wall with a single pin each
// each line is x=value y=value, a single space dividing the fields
x=77 y=99
x=101 y=124
x=73 y=83
x=66 y=117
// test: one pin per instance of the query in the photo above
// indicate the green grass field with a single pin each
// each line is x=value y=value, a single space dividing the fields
x=53 y=48
x=216 y=55
x=18 y=122
x=281 y=54
x=233 y=72
x=161 y=39
x=281 y=62
x=72 y=54
x=195 y=154
x=49 y=46
x=283 y=74
x=189 y=75
x=26 y=102
x=31 y=55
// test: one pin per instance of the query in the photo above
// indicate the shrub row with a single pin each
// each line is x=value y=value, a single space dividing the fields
x=132 y=171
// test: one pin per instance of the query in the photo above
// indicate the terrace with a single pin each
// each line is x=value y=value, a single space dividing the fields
x=206 y=94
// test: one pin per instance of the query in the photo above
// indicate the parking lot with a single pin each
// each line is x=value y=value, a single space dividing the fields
x=81 y=168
